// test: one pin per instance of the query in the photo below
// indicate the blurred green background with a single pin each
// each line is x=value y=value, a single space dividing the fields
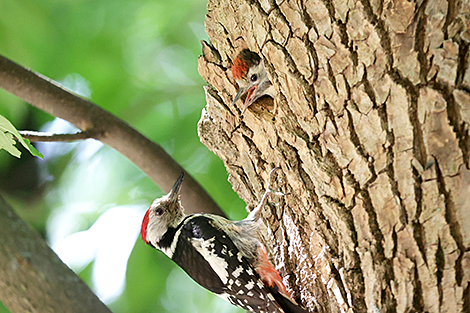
x=138 y=60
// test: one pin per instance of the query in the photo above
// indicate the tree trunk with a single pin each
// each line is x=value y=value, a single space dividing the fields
x=370 y=127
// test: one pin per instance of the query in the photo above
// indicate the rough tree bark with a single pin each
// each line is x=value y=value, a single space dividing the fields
x=370 y=127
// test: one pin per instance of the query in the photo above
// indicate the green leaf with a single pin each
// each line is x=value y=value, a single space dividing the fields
x=7 y=142
x=32 y=149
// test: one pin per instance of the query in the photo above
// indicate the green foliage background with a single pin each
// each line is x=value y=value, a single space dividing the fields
x=138 y=60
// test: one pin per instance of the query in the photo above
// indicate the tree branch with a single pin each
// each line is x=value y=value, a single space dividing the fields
x=52 y=98
x=51 y=137
x=33 y=278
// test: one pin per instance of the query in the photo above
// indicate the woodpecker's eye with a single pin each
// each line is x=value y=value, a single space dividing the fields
x=254 y=77
x=159 y=211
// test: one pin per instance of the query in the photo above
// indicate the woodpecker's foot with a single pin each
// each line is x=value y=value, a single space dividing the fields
x=270 y=182
x=254 y=214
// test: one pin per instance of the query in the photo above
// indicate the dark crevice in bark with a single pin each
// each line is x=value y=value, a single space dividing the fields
x=331 y=76
x=348 y=88
x=386 y=295
x=343 y=33
x=339 y=281
x=418 y=301
x=329 y=113
x=294 y=71
x=244 y=179
x=440 y=265
x=355 y=138
x=378 y=253
x=379 y=25
x=360 y=148
x=218 y=98
x=419 y=150
x=257 y=4
x=466 y=299
x=390 y=169
x=255 y=155
x=312 y=53
x=452 y=221
x=395 y=243
x=291 y=124
x=418 y=229
x=331 y=9
x=462 y=64
x=450 y=16
x=420 y=38
x=453 y=115
x=368 y=89
x=314 y=57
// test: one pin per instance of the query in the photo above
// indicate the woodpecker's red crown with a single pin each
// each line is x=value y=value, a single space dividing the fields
x=163 y=213
x=143 y=230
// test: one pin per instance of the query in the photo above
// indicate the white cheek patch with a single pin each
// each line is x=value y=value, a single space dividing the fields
x=206 y=249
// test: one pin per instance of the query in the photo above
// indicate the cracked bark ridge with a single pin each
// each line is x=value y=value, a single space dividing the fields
x=370 y=125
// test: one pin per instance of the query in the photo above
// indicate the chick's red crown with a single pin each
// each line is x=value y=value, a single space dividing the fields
x=243 y=62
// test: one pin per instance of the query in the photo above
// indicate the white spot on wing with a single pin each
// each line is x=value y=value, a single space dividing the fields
x=237 y=272
x=249 y=285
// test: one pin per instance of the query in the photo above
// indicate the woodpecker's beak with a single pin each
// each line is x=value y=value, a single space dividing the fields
x=175 y=191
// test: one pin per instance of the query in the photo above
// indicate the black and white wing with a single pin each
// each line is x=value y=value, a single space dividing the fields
x=210 y=257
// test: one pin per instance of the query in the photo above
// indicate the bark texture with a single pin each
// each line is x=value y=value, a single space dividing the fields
x=370 y=127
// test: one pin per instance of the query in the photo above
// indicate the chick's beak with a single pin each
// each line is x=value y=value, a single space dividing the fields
x=250 y=97
x=175 y=190
x=240 y=93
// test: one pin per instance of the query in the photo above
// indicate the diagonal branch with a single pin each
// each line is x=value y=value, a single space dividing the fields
x=33 y=278
x=52 y=98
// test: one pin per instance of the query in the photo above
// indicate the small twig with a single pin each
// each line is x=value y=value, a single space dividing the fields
x=51 y=137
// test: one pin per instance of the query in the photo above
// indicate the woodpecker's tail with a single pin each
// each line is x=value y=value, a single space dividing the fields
x=287 y=304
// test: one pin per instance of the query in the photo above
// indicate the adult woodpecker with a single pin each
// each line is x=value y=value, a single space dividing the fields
x=223 y=256
x=249 y=72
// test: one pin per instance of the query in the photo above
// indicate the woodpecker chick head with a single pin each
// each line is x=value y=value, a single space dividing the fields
x=164 y=213
x=249 y=72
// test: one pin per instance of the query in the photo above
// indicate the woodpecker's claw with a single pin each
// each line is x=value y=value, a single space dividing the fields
x=254 y=214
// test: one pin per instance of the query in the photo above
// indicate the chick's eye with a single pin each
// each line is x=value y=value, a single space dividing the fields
x=159 y=211
x=254 y=77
